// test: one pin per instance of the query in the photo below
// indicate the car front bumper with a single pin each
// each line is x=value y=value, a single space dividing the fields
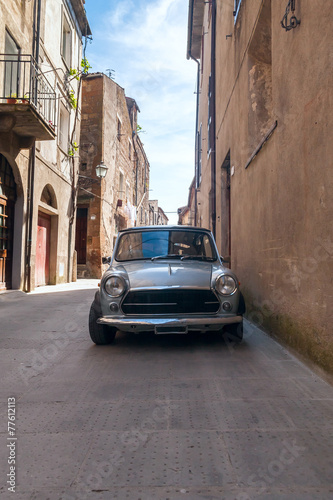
x=169 y=325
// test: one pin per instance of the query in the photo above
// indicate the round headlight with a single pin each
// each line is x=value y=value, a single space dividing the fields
x=225 y=284
x=115 y=286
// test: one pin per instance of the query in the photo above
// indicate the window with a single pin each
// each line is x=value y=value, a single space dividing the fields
x=11 y=79
x=118 y=129
x=147 y=244
x=202 y=54
x=260 y=87
x=63 y=135
x=42 y=20
x=66 y=45
x=210 y=113
x=130 y=150
x=121 y=186
x=199 y=156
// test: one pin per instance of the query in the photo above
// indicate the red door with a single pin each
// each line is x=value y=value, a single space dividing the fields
x=43 y=249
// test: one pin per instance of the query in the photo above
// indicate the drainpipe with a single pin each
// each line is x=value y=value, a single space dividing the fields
x=30 y=211
x=196 y=160
x=213 y=123
x=197 y=145
x=32 y=159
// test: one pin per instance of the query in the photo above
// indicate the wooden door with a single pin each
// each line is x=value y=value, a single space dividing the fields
x=7 y=207
x=43 y=250
x=81 y=235
x=6 y=242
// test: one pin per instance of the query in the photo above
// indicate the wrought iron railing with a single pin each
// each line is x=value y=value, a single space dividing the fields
x=23 y=82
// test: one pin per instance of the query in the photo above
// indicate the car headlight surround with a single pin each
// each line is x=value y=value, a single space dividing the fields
x=115 y=286
x=225 y=284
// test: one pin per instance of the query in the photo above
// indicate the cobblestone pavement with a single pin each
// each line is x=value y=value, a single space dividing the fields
x=153 y=417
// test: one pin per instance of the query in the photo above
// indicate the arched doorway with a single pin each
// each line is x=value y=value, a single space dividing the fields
x=46 y=241
x=7 y=209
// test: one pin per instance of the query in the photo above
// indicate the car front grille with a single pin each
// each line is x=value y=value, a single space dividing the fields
x=152 y=302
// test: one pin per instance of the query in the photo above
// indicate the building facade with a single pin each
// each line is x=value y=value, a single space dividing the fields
x=263 y=158
x=109 y=134
x=157 y=216
x=186 y=214
x=40 y=43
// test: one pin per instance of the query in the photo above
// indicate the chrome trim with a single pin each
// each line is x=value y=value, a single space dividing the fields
x=199 y=323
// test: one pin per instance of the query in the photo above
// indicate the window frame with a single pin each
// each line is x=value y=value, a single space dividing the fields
x=63 y=134
x=13 y=85
x=66 y=48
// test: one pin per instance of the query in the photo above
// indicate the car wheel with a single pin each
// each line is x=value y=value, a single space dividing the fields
x=99 y=334
x=234 y=332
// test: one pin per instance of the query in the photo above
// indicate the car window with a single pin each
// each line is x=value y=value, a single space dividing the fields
x=142 y=245
x=152 y=244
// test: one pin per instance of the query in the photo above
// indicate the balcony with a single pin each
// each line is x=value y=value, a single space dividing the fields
x=27 y=100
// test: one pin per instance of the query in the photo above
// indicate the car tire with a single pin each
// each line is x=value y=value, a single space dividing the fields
x=99 y=334
x=234 y=332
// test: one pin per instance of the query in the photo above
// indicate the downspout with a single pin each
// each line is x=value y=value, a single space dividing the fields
x=213 y=124
x=32 y=159
x=197 y=152
x=74 y=184
x=196 y=160
x=136 y=163
x=30 y=211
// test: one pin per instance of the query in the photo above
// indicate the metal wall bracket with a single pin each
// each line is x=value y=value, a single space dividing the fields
x=293 y=21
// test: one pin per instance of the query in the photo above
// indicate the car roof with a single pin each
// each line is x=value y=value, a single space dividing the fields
x=164 y=227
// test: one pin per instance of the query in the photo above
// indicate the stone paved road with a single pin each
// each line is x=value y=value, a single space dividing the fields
x=151 y=417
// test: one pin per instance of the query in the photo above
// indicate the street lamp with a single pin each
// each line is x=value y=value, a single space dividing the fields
x=101 y=170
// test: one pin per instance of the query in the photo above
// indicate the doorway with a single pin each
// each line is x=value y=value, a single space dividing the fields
x=42 y=274
x=226 y=209
x=7 y=209
x=81 y=235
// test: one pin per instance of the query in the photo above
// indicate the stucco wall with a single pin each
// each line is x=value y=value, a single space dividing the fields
x=281 y=208
x=52 y=166
x=106 y=135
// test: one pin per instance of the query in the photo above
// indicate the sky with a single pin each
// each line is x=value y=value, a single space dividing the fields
x=144 y=42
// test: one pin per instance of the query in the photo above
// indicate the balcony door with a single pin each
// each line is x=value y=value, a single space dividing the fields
x=7 y=206
x=11 y=73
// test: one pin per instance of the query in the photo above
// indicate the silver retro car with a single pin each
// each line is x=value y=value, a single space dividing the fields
x=166 y=279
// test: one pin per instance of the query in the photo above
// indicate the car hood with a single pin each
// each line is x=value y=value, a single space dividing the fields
x=189 y=274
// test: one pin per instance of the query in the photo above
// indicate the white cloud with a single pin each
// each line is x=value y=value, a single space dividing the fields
x=145 y=43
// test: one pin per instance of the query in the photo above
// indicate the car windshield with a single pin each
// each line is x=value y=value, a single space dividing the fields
x=163 y=244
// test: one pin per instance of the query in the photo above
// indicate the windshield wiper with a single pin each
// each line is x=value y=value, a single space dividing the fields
x=167 y=256
x=197 y=257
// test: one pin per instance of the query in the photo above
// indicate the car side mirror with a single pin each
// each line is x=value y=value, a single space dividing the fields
x=106 y=260
x=225 y=260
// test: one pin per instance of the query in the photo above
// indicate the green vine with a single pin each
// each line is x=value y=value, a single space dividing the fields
x=85 y=66
x=76 y=74
x=140 y=129
x=72 y=99
x=72 y=150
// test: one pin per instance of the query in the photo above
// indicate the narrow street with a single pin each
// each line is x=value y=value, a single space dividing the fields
x=153 y=417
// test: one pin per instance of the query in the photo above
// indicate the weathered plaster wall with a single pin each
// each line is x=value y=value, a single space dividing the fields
x=106 y=135
x=52 y=164
x=281 y=208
